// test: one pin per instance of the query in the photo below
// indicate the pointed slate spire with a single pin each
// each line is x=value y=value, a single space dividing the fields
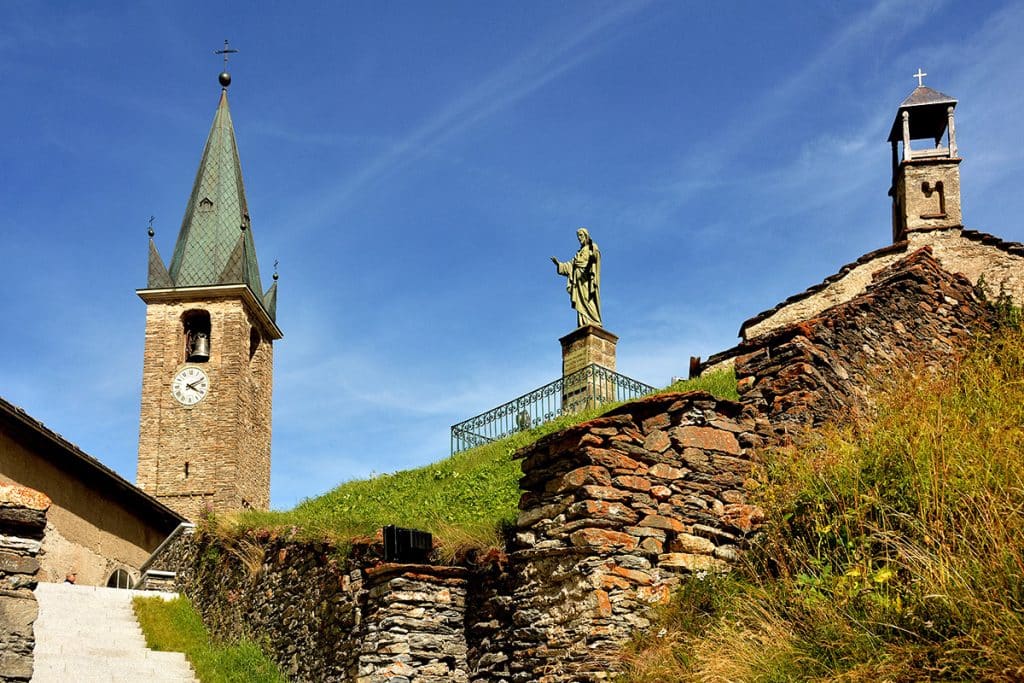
x=217 y=211
x=270 y=300
x=158 y=275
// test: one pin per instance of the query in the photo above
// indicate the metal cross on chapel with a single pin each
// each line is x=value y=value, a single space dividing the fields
x=230 y=51
x=919 y=75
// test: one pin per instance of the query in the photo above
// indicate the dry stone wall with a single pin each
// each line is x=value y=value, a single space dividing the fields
x=323 y=618
x=22 y=523
x=614 y=513
x=810 y=372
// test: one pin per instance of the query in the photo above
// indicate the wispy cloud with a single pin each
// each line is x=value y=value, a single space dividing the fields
x=887 y=20
x=552 y=55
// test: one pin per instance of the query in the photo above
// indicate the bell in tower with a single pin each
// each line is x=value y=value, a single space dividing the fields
x=926 y=176
x=199 y=348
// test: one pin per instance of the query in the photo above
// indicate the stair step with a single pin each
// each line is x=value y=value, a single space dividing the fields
x=89 y=634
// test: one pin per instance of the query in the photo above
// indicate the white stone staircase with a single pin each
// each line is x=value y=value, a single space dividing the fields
x=87 y=634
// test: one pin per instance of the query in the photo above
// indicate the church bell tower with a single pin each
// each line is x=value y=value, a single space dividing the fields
x=207 y=376
x=925 y=180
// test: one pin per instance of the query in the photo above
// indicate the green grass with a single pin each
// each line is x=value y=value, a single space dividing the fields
x=463 y=500
x=894 y=549
x=174 y=626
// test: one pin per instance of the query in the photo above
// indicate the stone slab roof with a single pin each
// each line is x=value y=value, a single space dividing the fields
x=1015 y=248
x=69 y=457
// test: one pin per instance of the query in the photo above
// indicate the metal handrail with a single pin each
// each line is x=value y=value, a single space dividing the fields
x=184 y=527
x=588 y=387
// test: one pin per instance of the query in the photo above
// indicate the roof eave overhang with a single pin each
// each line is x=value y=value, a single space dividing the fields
x=240 y=291
x=63 y=454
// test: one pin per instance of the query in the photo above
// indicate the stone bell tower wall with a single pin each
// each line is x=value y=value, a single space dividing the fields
x=216 y=453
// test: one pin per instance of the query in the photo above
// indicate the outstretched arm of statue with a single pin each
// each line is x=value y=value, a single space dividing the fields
x=555 y=261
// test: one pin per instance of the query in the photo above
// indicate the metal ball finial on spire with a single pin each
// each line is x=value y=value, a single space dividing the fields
x=275 y=270
x=225 y=78
x=151 y=231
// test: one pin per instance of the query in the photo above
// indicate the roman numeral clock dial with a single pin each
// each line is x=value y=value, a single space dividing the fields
x=190 y=386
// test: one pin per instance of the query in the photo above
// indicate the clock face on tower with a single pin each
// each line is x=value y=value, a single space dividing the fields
x=190 y=386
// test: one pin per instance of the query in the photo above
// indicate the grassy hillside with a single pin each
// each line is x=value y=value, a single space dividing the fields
x=464 y=498
x=894 y=551
x=174 y=626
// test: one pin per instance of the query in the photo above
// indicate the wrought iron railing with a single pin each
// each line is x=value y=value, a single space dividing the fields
x=591 y=386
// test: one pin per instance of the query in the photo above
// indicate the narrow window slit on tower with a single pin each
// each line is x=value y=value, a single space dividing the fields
x=254 y=342
x=186 y=470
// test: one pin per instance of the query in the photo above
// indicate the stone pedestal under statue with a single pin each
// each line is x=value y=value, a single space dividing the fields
x=585 y=346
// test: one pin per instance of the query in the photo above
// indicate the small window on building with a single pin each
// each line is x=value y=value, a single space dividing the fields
x=196 y=324
x=119 y=579
x=205 y=204
x=186 y=470
x=254 y=342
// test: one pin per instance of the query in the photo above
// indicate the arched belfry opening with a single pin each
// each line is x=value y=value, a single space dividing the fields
x=196 y=326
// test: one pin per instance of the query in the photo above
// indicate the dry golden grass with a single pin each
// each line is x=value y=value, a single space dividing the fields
x=894 y=550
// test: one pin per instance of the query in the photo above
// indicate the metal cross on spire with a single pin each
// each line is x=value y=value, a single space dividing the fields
x=230 y=51
x=225 y=77
x=919 y=75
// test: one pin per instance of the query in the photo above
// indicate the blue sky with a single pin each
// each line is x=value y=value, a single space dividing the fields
x=413 y=165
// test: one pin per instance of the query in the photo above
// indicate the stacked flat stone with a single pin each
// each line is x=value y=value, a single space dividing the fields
x=22 y=523
x=613 y=512
x=413 y=627
x=825 y=368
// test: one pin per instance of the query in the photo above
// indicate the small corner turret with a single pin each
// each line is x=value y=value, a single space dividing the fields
x=925 y=180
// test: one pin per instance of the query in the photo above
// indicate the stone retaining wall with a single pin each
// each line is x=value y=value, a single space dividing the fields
x=22 y=524
x=614 y=512
x=321 y=618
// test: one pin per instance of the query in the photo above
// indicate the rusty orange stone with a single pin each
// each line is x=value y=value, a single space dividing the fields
x=663 y=471
x=603 y=539
x=661 y=492
x=633 y=575
x=613 y=460
x=652 y=545
x=746 y=518
x=627 y=481
x=604 y=605
x=708 y=438
x=603 y=492
x=614 y=582
x=589 y=474
x=662 y=522
x=657 y=441
x=659 y=594
x=15 y=495
x=604 y=510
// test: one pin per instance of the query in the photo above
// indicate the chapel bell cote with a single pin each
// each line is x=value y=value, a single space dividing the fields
x=925 y=172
